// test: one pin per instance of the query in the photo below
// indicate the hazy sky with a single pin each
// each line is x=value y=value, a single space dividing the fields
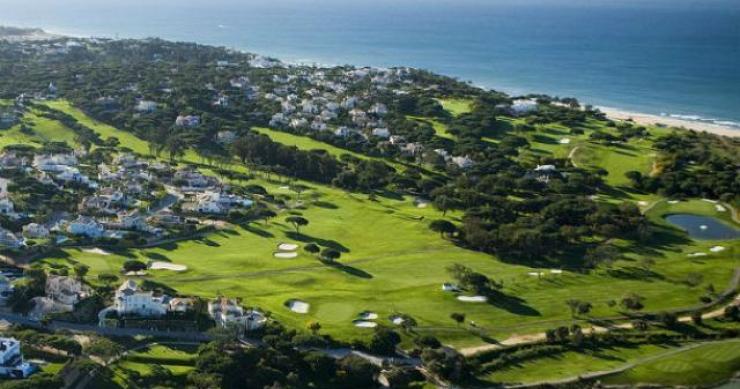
x=350 y=3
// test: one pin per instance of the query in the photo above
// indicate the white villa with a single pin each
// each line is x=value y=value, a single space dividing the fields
x=146 y=106
x=9 y=239
x=6 y=288
x=130 y=300
x=56 y=163
x=187 y=121
x=6 y=207
x=179 y=304
x=219 y=202
x=523 y=106
x=224 y=311
x=35 y=231
x=382 y=133
x=11 y=360
x=65 y=290
x=544 y=173
x=463 y=162
x=87 y=226
x=226 y=137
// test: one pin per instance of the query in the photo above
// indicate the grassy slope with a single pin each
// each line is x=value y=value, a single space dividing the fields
x=391 y=250
x=440 y=128
x=161 y=355
x=306 y=143
x=707 y=364
x=105 y=131
x=457 y=106
x=569 y=364
x=42 y=130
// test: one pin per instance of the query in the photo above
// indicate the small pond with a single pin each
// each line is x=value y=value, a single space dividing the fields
x=704 y=227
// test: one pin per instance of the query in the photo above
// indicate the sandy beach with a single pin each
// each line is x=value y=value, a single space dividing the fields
x=13 y=34
x=647 y=119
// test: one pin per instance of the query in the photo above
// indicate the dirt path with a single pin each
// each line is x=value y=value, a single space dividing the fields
x=619 y=369
x=571 y=154
x=515 y=340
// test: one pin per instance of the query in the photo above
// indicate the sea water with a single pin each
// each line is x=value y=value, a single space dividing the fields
x=678 y=58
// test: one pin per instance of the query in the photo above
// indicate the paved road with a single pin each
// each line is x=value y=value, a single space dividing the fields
x=130 y=332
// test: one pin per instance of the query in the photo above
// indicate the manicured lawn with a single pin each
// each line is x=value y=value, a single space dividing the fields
x=178 y=359
x=389 y=249
x=571 y=364
x=168 y=352
x=52 y=367
x=392 y=263
x=439 y=128
x=305 y=143
x=105 y=131
x=456 y=107
x=41 y=130
x=704 y=365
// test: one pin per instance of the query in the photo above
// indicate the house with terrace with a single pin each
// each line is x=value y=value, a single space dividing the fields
x=217 y=203
x=12 y=364
x=54 y=163
x=86 y=226
x=65 y=290
x=225 y=311
x=10 y=240
x=130 y=300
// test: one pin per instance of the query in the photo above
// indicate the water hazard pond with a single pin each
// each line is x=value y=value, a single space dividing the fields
x=703 y=227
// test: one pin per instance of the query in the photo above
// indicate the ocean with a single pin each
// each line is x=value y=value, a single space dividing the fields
x=672 y=58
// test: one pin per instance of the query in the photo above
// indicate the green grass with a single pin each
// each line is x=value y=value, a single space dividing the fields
x=105 y=131
x=457 y=107
x=570 y=364
x=439 y=128
x=392 y=251
x=41 y=130
x=704 y=365
x=305 y=143
x=52 y=367
x=168 y=352
x=394 y=264
x=178 y=359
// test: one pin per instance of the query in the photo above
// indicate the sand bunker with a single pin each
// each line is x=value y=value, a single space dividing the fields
x=720 y=208
x=365 y=324
x=473 y=299
x=367 y=315
x=136 y=273
x=564 y=141
x=698 y=255
x=397 y=320
x=298 y=306
x=287 y=247
x=642 y=203
x=536 y=274
x=556 y=271
x=672 y=201
x=710 y=201
x=96 y=250
x=717 y=249
x=157 y=265
x=285 y=255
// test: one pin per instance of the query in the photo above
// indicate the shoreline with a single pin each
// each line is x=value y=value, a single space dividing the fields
x=650 y=119
x=611 y=112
